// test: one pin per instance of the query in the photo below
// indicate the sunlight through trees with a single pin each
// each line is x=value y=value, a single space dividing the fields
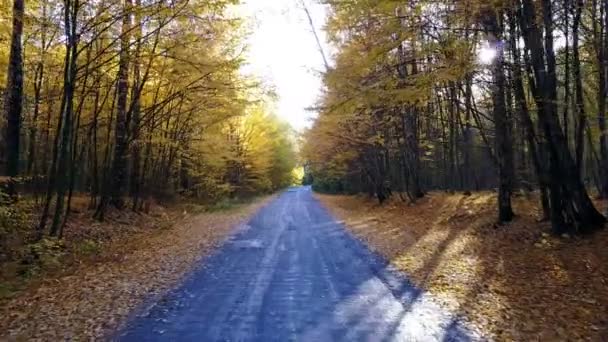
x=467 y=95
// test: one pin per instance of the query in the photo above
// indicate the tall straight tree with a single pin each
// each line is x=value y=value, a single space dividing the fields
x=113 y=189
x=136 y=110
x=601 y=116
x=64 y=147
x=578 y=82
x=502 y=122
x=14 y=94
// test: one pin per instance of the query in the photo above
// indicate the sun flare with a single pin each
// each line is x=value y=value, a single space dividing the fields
x=486 y=54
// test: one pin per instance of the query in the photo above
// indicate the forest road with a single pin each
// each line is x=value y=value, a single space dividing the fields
x=294 y=274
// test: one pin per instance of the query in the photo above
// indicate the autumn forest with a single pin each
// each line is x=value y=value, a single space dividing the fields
x=454 y=153
x=127 y=101
x=466 y=96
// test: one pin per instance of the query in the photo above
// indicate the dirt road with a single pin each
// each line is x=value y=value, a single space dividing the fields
x=294 y=274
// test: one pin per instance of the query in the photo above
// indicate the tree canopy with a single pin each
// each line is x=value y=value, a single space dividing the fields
x=134 y=99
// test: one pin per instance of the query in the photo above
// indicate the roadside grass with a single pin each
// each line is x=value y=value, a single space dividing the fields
x=514 y=282
x=228 y=204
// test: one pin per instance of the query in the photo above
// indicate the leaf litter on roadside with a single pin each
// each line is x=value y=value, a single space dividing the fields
x=514 y=282
x=93 y=298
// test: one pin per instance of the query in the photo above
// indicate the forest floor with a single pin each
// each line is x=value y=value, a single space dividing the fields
x=515 y=282
x=103 y=271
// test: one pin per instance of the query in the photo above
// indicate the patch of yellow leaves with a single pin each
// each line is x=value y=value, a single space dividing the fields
x=514 y=282
x=95 y=298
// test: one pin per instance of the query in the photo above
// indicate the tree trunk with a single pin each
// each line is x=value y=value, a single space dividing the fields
x=467 y=136
x=579 y=144
x=601 y=116
x=14 y=97
x=118 y=174
x=565 y=115
x=502 y=122
x=571 y=207
x=136 y=109
x=524 y=112
x=71 y=10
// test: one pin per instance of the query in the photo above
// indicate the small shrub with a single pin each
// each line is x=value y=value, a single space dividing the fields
x=43 y=255
x=224 y=204
x=15 y=228
x=7 y=290
x=87 y=247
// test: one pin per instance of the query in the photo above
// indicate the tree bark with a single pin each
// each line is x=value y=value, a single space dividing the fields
x=579 y=144
x=136 y=109
x=502 y=122
x=118 y=174
x=570 y=204
x=524 y=112
x=71 y=10
x=601 y=116
x=14 y=97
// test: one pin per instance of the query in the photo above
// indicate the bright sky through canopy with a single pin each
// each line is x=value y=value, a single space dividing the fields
x=486 y=54
x=284 y=54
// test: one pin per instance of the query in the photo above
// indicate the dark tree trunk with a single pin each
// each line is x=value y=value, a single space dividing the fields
x=526 y=120
x=14 y=96
x=118 y=173
x=565 y=114
x=601 y=116
x=571 y=206
x=53 y=181
x=502 y=122
x=136 y=109
x=31 y=155
x=71 y=10
x=579 y=144
x=39 y=80
x=467 y=136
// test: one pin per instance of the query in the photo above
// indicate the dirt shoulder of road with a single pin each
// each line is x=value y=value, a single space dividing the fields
x=142 y=258
x=514 y=282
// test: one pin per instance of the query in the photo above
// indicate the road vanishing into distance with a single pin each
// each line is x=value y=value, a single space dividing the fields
x=293 y=273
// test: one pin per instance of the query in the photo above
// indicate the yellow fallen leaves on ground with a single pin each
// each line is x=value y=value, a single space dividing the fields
x=95 y=298
x=515 y=282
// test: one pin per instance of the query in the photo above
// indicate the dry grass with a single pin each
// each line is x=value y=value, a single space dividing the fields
x=140 y=257
x=516 y=282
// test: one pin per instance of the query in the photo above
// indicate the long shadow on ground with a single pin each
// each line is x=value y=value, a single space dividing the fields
x=294 y=273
